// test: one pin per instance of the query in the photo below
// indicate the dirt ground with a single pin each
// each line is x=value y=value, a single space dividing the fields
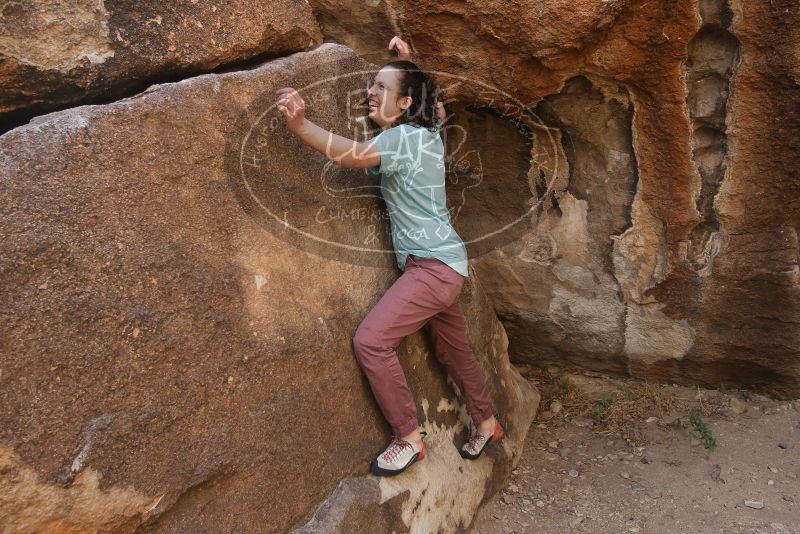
x=619 y=456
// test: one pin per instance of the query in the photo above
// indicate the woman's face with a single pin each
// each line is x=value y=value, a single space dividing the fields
x=385 y=101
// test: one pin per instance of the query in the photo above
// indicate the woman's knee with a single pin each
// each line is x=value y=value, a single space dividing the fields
x=363 y=340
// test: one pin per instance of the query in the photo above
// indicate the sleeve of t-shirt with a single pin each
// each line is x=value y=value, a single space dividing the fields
x=387 y=143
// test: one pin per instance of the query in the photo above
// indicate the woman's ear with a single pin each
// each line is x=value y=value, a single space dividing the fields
x=405 y=103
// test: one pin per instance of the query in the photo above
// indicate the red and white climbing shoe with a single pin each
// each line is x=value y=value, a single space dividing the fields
x=398 y=456
x=474 y=446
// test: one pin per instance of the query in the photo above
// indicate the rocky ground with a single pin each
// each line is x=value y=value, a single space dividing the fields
x=618 y=456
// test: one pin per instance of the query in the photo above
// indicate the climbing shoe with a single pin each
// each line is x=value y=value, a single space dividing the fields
x=474 y=446
x=397 y=457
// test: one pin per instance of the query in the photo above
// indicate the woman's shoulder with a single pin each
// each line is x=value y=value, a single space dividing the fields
x=397 y=131
x=408 y=128
x=397 y=134
x=405 y=127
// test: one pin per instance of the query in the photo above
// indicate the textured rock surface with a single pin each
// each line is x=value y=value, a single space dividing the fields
x=169 y=364
x=54 y=53
x=664 y=242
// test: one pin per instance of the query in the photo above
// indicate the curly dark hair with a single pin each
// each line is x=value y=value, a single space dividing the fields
x=424 y=93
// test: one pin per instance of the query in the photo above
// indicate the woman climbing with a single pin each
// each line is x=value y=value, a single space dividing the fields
x=409 y=155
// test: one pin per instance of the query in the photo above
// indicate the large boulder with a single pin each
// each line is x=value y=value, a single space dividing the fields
x=173 y=360
x=52 y=54
x=659 y=178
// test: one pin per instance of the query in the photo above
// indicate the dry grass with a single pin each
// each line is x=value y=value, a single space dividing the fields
x=625 y=411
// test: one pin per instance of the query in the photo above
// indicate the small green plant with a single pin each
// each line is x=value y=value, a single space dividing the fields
x=549 y=371
x=723 y=389
x=632 y=396
x=544 y=365
x=567 y=385
x=678 y=424
x=709 y=442
x=600 y=408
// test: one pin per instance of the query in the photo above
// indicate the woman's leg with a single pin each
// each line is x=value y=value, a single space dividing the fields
x=415 y=297
x=449 y=332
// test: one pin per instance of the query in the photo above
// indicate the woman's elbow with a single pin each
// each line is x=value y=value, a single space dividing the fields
x=348 y=163
x=355 y=162
x=361 y=156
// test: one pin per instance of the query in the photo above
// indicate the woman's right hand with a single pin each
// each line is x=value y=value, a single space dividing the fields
x=403 y=50
x=293 y=108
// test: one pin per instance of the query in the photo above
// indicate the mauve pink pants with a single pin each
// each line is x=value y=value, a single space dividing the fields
x=427 y=291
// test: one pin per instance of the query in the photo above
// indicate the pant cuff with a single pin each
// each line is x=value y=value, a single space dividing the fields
x=479 y=418
x=407 y=428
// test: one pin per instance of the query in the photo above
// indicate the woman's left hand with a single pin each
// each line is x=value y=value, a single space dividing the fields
x=291 y=104
x=403 y=50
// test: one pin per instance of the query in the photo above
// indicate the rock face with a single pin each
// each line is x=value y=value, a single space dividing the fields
x=660 y=181
x=170 y=363
x=52 y=54
x=177 y=269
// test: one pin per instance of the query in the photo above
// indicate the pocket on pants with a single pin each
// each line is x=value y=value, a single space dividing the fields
x=457 y=292
x=450 y=284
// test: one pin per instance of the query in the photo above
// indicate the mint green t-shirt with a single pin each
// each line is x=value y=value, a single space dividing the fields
x=413 y=186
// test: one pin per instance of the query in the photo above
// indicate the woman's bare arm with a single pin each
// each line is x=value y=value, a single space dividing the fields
x=341 y=150
x=404 y=53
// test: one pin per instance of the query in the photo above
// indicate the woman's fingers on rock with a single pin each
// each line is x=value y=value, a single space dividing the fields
x=289 y=102
x=297 y=107
x=397 y=42
x=287 y=94
x=293 y=100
